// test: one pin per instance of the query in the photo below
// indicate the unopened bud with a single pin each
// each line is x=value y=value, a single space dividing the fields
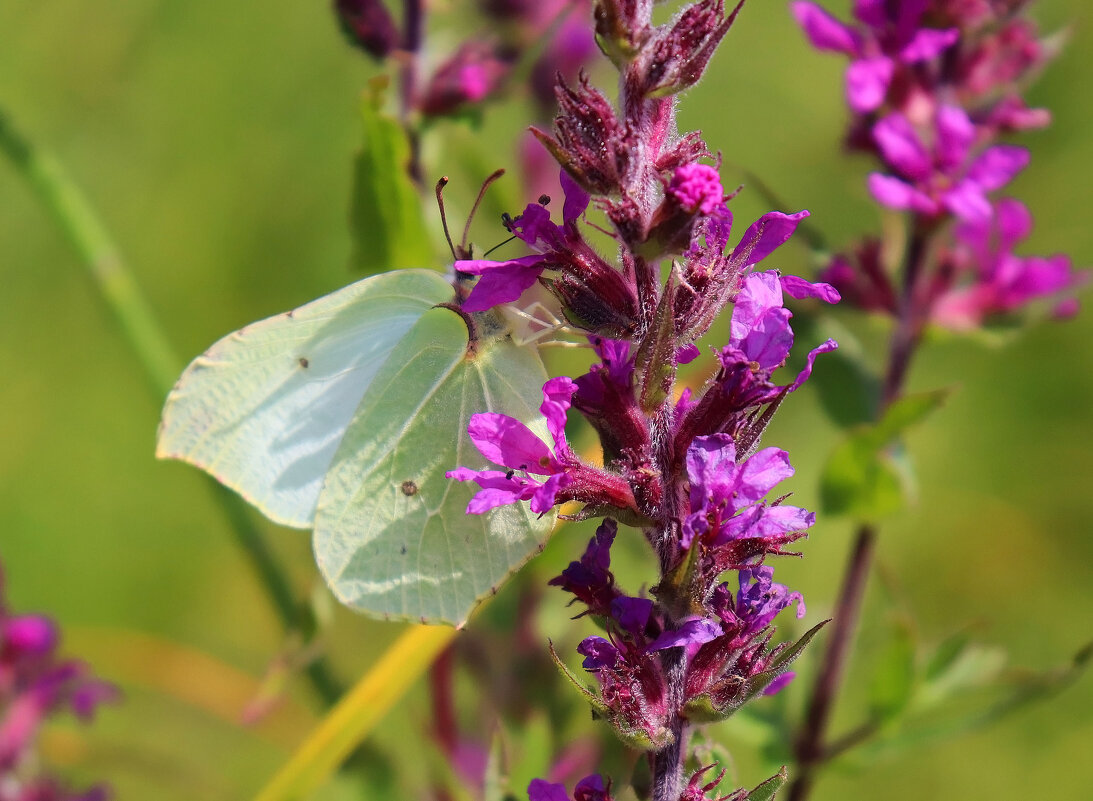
x=678 y=54
x=468 y=77
x=369 y=25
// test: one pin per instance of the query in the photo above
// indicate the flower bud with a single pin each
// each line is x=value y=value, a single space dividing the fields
x=468 y=77
x=29 y=635
x=621 y=29
x=677 y=55
x=591 y=144
x=369 y=26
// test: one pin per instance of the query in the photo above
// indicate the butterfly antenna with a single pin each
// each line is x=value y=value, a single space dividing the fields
x=477 y=202
x=443 y=182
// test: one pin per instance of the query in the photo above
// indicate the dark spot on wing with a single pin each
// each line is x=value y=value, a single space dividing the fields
x=409 y=488
x=402 y=550
x=304 y=362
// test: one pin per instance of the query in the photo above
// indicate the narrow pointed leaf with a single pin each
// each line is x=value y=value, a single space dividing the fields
x=387 y=220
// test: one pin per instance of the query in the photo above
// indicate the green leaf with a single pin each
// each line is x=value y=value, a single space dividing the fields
x=599 y=708
x=769 y=789
x=961 y=666
x=867 y=476
x=386 y=217
x=893 y=680
x=848 y=390
x=985 y=696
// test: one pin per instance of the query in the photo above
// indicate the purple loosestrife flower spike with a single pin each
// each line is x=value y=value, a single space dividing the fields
x=36 y=684
x=989 y=278
x=888 y=39
x=946 y=179
x=685 y=468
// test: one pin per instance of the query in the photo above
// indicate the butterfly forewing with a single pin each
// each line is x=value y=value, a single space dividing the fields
x=265 y=408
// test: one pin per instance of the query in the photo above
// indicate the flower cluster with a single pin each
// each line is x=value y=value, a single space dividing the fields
x=682 y=464
x=34 y=685
x=931 y=85
x=479 y=67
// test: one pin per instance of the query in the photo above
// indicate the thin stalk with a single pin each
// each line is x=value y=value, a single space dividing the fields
x=413 y=35
x=63 y=200
x=811 y=749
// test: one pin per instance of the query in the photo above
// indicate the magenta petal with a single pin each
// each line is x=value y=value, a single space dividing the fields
x=1014 y=223
x=31 y=635
x=486 y=266
x=896 y=194
x=760 y=325
x=711 y=467
x=803 y=376
x=487 y=499
x=541 y=790
x=764 y=236
x=1039 y=276
x=800 y=288
x=997 y=166
x=823 y=30
x=955 y=134
x=687 y=353
x=967 y=201
x=779 y=683
x=867 y=83
x=899 y=144
x=543 y=499
x=557 y=397
x=761 y=473
x=505 y=440
x=576 y=199
x=777 y=520
x=760 y=292
x=769 y=342
x=693 y=631
x=928 y=43
x=502 y=285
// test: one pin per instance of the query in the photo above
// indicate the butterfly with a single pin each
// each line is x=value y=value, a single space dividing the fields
x=343 y=415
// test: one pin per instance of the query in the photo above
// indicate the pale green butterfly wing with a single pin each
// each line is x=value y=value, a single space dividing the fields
x=265 y=408
x=392 y=537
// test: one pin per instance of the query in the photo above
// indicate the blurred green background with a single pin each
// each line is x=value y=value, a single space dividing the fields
x=216 y=141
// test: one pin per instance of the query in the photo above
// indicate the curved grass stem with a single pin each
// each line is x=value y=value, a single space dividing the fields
x=66 y=204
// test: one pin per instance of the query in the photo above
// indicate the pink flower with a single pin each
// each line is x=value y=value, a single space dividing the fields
x=506 y=441
x=933 y=180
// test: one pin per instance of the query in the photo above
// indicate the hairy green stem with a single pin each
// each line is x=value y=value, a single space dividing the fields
x=64 y=201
